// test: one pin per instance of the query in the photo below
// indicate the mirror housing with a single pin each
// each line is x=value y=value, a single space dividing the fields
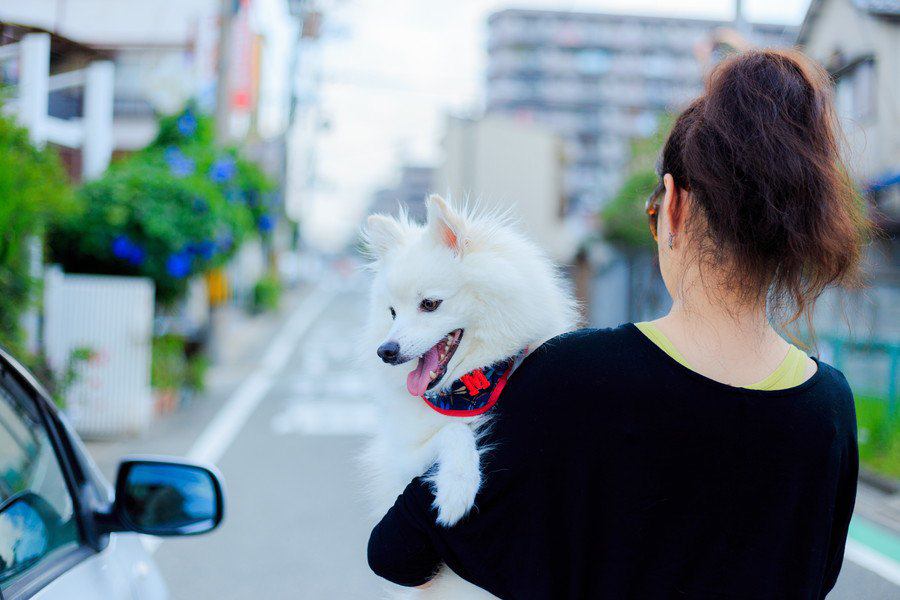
x=165 y=497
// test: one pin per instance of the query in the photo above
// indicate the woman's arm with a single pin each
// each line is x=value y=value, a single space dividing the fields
x=400 y=548
x=843 y=512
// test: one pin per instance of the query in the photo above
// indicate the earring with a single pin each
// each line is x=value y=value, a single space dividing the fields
x=671 y=240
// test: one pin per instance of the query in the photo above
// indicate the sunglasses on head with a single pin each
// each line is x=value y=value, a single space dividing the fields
x=652 y=208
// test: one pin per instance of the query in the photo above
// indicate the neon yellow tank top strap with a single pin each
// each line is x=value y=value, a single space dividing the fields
x=790 y=373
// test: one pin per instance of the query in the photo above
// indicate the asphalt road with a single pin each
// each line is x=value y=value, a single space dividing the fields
x=285 y=426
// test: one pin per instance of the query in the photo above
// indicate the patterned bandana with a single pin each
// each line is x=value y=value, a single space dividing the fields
x=476 y=392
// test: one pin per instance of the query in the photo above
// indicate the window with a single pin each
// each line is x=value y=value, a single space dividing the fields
x=856 y=91
x=37 y=517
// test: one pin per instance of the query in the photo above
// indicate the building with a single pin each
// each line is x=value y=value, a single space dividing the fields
x=858 y=41
x=415 y=184
x=164 y=53
x=599 y=80
x=498 y=162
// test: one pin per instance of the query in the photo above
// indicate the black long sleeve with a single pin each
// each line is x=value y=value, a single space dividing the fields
x=845 y=500
x=615 y=472
x=400 y=548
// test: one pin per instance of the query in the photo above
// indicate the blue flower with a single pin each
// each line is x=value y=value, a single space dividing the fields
x=187 y=124
x=222 y=170
x=121 y=247
x=124 y=249
x=137 y=256
x=205 y=249
x=265 y=223
x=179 y=164
x=178 y=265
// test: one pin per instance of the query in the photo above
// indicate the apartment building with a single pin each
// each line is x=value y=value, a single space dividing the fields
x=600 y=80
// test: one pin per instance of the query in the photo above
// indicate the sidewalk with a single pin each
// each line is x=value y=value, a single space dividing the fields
x=874 y=537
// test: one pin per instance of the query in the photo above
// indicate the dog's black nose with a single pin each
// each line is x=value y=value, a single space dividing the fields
x=389 y=351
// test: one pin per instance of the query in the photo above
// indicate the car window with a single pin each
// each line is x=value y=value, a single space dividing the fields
x=37 y=516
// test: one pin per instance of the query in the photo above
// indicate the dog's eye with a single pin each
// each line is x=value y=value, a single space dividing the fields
x=393 y=312
x=429 y=304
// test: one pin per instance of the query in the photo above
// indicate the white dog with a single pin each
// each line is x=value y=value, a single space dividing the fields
x=459 y=298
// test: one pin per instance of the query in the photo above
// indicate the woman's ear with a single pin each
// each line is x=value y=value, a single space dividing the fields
x=381 y=234
x=673 y=204
x=445 y=225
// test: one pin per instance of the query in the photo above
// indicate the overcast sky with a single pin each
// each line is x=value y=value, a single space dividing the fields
x=394 y=68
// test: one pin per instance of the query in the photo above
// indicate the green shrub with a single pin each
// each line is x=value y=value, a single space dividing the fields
x=171 y=367
x=34 y=191
x=266 y=293
x=624 y=219
x=140 y=220
x=185 y=142
x=879 y=436
x=197 y=367
x=178 y=208
x=168 y=370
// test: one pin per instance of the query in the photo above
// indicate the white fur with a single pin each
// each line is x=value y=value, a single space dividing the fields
x=505 y=294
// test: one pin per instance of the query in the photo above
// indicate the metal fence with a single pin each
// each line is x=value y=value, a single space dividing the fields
x=112 y=318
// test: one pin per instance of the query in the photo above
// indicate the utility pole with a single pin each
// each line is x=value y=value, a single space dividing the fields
x=740 y=23
x=223 y=87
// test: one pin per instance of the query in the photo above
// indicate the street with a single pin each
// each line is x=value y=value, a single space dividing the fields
x=284 y=425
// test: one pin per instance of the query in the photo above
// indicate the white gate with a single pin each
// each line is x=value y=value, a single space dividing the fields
x=113 y=318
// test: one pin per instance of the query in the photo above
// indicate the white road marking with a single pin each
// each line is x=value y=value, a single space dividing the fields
x=326 y=418
x=225 y=426
x=871 y=560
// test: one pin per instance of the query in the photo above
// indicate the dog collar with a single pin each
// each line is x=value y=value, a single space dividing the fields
x=476 y=392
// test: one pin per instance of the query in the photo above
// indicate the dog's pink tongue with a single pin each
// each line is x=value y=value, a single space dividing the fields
x=418 y=379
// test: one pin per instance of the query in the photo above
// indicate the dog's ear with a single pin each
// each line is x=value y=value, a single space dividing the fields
x=445 y=225
x=381 y=234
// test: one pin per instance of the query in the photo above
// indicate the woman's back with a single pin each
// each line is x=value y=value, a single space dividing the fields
x=615 y=471
x=644 y=479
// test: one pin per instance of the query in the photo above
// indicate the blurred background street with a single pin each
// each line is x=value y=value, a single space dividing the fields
x=182 y=184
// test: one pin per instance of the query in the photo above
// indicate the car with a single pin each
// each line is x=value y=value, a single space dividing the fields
x=65 y=533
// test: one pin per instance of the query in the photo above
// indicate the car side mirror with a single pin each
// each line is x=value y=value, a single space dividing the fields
x=165 y=497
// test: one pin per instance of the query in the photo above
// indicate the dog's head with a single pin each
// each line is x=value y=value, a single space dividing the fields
x=459 y=293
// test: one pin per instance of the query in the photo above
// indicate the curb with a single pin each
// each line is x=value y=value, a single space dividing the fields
x=882 y=483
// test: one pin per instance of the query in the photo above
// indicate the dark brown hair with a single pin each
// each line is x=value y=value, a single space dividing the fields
x=758 y=153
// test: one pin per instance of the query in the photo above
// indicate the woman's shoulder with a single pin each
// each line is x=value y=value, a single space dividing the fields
x=588 y=343
x=833 y=387
x=572 y=356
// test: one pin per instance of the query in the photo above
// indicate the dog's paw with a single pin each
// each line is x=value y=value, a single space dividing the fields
x=454 y=491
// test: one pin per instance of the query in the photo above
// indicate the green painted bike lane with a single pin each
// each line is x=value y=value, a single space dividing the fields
x=874 y=548
x=876 y=537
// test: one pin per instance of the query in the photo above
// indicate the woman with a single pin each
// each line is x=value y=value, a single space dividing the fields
x=701 y=454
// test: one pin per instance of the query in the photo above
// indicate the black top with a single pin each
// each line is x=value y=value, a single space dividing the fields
x=616 y=472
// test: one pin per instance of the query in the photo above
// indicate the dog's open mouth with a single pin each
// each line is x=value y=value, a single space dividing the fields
x=433 y=364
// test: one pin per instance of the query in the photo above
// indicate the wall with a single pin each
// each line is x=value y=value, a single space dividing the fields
x=497 y=162
x=873 y=145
